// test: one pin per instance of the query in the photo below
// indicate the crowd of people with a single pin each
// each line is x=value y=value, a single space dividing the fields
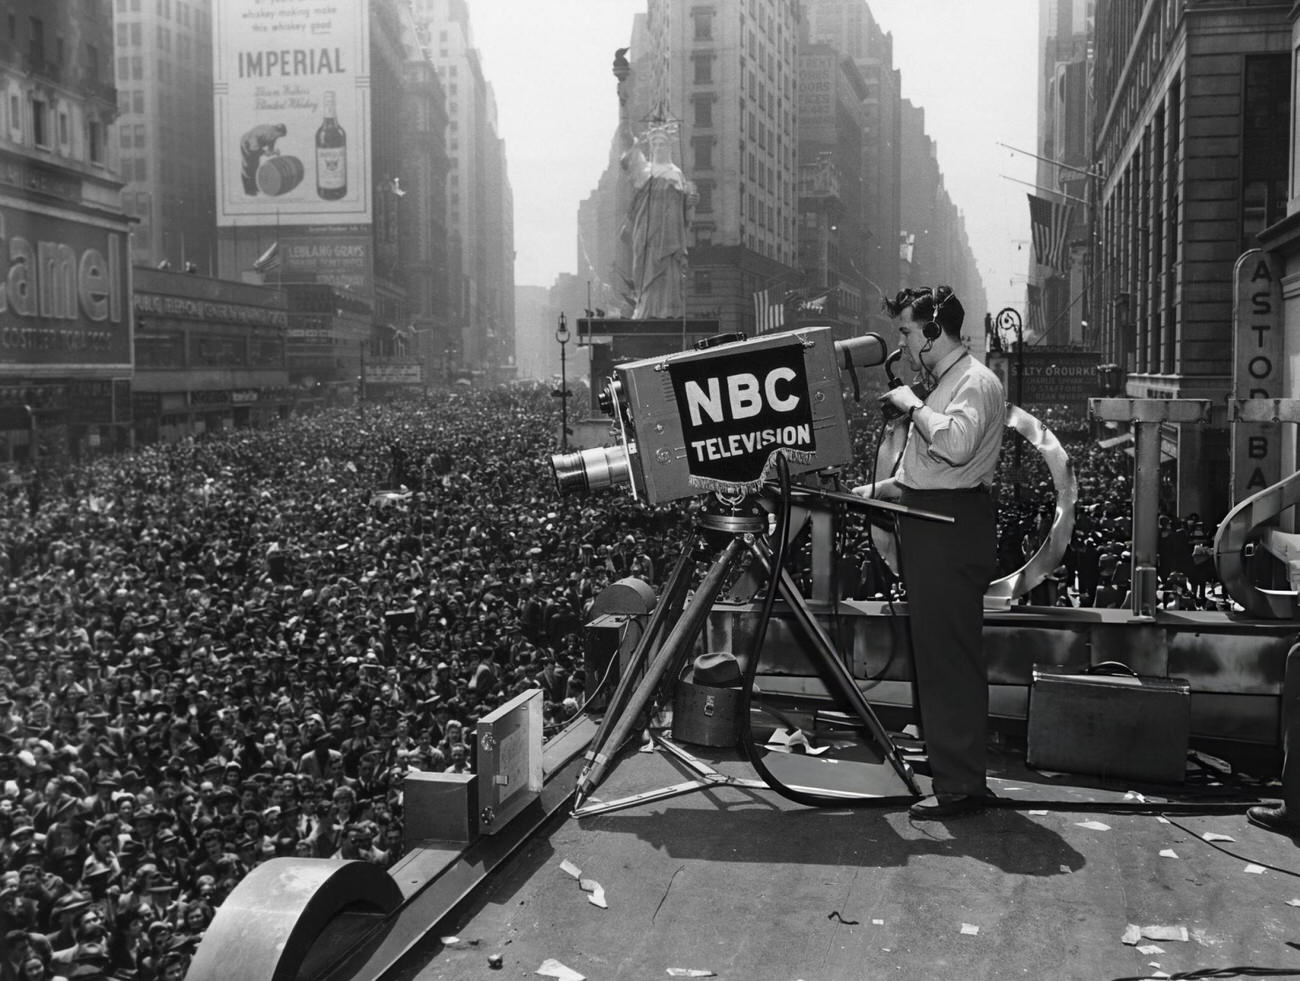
x=229 y=649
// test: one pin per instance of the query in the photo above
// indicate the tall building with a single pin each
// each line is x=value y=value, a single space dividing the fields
x=850 y=28
x=163 y=58
x=65 y=307
x=1057 y=301
x=1193 y=111
x=726 y=73
x=479 y=198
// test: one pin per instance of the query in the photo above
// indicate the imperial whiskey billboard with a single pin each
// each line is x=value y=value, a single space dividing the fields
x=292 y=111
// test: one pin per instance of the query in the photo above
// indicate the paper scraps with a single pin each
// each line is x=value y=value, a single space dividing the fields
x=970 y=929
x=1215 y=836
x=1149 y=949
x=1168 y=853
x=595 y=892
x=1133 y=933
x=1254 y=869
x=690 y=972
x=793 y=741
x=552 y=968
x=1293 y=902
x=1092 y=825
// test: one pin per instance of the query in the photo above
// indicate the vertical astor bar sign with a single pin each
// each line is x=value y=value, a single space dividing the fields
x=1256 y=370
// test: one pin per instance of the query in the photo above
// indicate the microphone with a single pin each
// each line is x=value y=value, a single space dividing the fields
x=866 y=351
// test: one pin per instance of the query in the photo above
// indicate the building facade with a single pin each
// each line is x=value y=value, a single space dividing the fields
x=1192 y=114
x=209 y=356
x=163 y=64
x=65 y=305
x=480 y=203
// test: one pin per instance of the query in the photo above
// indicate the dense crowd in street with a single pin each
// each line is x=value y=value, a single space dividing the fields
x=225 y=650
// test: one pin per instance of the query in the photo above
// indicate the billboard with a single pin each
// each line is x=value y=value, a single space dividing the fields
x=65 y=300
x=338 y=255
x=1258 y=355
x=292 y=114
x=1052 y=377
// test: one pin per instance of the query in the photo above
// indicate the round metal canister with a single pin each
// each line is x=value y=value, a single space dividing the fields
x=706 y=716
x=279 y=175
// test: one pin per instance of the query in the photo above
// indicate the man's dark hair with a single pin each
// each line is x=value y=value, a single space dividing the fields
x=939 y=305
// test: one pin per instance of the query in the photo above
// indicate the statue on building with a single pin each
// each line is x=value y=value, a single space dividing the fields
x=656 y=230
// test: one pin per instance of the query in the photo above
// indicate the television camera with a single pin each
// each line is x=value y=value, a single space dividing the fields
x=715 y=418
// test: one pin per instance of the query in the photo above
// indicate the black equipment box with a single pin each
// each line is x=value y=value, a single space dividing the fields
x=706 y=716
x=1109 y=722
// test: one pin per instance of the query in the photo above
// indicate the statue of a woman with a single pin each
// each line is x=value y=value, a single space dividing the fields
x=656 y=228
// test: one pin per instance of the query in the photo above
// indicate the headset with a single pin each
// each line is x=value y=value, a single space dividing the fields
x=932 y=330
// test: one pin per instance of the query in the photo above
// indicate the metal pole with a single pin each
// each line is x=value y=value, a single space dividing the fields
x=562 y=336
x=1146 y=516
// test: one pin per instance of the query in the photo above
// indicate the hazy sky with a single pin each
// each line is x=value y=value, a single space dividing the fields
x=971 y=66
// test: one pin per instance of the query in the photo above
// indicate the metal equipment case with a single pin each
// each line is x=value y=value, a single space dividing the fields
x=1108 y=722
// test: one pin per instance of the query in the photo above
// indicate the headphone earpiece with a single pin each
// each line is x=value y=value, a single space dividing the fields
x=932 y=330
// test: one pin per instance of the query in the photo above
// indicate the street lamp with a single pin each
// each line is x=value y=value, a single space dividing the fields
x=562 y=336
x=1009 y=319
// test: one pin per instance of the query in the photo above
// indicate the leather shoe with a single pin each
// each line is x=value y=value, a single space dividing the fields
x=948 y=805
x=1273 y=817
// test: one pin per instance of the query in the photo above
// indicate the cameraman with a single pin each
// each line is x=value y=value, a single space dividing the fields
x=947 y=466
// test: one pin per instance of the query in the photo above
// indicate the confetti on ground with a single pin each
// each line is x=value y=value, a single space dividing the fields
x=1039 y=813
x=882 y=922
x=1215 y=836
x=1254 y=869
x=1293 y=902
x=1162 y=819
x=595 y=892
x=1133 y=933
x=690 y=972
x=568 y=867
x=1149 y=949
x=1168 y=853
x=1134 y=795
x=552 y=968
x=970 y=929
x=1092 y=825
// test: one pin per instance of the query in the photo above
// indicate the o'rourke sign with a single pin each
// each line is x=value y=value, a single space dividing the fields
x=738 y=415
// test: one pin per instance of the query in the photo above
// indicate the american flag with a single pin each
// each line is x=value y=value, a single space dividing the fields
x=769 y=309
x=1050 y=222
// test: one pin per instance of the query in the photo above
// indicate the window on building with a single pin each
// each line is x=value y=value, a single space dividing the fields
x=137 y=101
x=141 y=169
x=137 y=34
x=703 y=112
x=63 y=128
x=703 y=153
x=1265 y=143
x=40 y=123
x=140 y=135
x=703 y=68
x=95 y=141
x=137 y=68
x=703 y=17
x=123 y=34
x=704 y=205
x=125 y=136
x=36 y=41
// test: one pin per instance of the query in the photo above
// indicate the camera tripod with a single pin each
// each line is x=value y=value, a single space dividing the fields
x=744 y=530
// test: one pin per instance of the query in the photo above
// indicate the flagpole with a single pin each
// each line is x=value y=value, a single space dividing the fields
x=1046 y=190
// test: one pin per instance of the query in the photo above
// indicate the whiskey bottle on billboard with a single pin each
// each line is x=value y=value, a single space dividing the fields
x=331 y=155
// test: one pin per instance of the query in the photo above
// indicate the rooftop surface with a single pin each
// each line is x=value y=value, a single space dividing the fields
x=747 y=885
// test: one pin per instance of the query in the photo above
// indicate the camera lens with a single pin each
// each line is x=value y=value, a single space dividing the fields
x=584 y=471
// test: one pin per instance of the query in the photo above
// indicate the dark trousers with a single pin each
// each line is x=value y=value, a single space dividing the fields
x=947 y=568
x=1291 y=732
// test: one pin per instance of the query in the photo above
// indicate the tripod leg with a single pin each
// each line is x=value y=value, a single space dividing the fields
x=674 y=591
x=673 y=651
x=829 y=659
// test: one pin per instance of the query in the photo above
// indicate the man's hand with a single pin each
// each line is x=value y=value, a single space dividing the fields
x=881 y=490
x=901 y=398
